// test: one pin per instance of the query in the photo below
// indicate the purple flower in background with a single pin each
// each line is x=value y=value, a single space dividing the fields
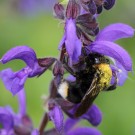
x=31 y=7
x=14 y=81
x=47 y=5
x=14 y=123
x=104 y=45
x=28 y=5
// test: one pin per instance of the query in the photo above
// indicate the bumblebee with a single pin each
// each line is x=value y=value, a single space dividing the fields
x=93 y=74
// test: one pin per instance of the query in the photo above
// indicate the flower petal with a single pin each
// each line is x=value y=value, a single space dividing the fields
x=71 y=78
x=77 y=51
x=93 y=115
x=73 y=9
x=69 y=124
x=113 y=50
x=71 y=112
x=6 y=119
x=121 y=73
x=114 y=32
x=24 y=53
x=59 y=10
x=56 y=116
x=72 y=43
x=108 y=4
x=37 y=70
x=92 y=7
x=84 y=131
x=22 y=102
x=14 y=82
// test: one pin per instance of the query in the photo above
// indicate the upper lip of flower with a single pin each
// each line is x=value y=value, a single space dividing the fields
x=104 y=45
x=14 y=81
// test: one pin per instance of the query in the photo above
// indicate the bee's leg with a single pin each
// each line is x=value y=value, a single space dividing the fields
x=84 y=52
x=65 y=62
x=113 y=87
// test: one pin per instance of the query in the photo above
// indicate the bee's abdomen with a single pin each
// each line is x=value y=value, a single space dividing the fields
x=70 y=91
x=74 y=93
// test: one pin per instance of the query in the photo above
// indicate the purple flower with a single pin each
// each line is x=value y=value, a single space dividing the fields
x=56 y=115
x=72 y=43
x=70 y=39
x=104 y=45
x=78 y=29
x=28 y=6
x=71 y=128
x=93 y=115
x=14 y=123
x=14 y=81
x=31 y=7
x=6 y=119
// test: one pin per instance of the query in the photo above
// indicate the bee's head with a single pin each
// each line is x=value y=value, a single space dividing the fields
x=98 y=58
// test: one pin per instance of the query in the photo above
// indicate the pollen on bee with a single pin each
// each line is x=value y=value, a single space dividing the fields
x=63 y=89
x=106 y=68
x=106 y=73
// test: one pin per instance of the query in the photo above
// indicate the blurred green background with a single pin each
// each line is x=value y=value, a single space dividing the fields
x=42 y=32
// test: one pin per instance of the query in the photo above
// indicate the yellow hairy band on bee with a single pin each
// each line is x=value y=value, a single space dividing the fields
x=105 y=74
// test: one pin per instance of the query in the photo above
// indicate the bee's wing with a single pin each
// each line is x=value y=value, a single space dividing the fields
x=88 y=99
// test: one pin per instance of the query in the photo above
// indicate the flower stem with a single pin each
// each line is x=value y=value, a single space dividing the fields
x=43 y=124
